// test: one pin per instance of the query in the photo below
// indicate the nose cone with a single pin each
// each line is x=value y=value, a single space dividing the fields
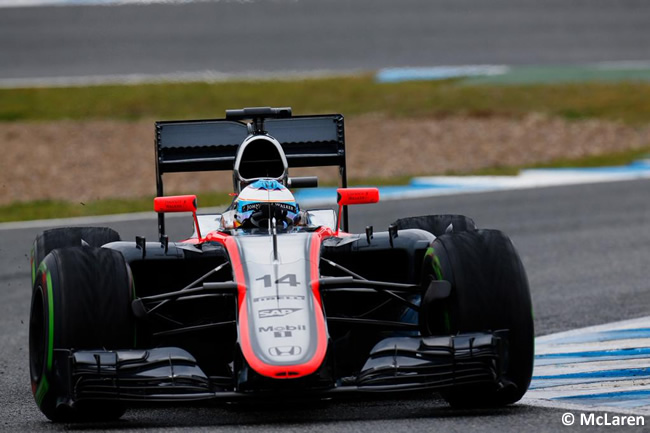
x=282 y=327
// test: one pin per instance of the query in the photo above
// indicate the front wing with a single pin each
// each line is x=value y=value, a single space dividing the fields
x=394 y=364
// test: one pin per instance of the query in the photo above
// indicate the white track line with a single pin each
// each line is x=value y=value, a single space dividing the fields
x=553 y=391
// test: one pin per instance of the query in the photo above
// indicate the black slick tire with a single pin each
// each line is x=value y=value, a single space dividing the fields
x=81 y=300
x=438 y=225
x=489 y=292
x=69 y=237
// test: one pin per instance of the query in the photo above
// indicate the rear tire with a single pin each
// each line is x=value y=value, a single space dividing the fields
x=69 y=237
x=489 y=292
x=81 y=300
x=438 y=225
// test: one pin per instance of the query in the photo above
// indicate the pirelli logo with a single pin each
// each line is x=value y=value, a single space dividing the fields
x=280 y=298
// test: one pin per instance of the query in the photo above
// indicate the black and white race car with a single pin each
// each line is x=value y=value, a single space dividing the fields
x=268 y=300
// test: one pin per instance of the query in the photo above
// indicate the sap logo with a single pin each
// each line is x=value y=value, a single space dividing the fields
x=282 y=328
x=277 y=312
x=280 y=298
x=285 y=351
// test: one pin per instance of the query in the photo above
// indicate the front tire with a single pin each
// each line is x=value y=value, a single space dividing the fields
x=69 y=237
x=81 y=300
x=489 y=292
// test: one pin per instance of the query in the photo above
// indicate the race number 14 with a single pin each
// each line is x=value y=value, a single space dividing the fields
x=289 y=279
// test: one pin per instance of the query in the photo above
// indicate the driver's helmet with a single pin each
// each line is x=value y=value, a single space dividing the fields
x=263 y=200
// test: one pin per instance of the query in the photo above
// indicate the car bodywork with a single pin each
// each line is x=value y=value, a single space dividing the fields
x=304 y=310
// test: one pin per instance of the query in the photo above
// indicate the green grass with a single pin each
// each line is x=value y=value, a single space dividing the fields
x=607 y=160
x=628 y=102
x=613 y=159
x=47 y=209
x=24 y=211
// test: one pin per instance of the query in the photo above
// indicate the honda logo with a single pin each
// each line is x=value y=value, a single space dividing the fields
x=285 y=351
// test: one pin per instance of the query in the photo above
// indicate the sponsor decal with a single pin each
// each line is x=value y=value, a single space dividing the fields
x=277 y=312
x=289 y=279
x=282 y=334
x=285 y=351
x=258 y=205
x=282 y=328
x=280 y=298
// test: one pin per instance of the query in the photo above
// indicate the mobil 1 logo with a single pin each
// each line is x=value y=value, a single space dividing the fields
x=282 y=331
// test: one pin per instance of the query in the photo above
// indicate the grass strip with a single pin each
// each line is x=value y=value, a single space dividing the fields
x=47 y=209
x=628 y=102
x=605 y=160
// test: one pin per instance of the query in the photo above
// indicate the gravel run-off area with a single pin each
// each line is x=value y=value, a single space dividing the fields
x=90 y=160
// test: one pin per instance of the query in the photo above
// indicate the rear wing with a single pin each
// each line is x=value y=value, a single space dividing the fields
x=209 y=145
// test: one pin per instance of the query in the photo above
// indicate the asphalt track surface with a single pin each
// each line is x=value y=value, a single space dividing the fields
x=275 y=36
x=585 y=248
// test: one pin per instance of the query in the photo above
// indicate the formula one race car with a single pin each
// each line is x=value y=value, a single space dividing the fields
x=268 y=300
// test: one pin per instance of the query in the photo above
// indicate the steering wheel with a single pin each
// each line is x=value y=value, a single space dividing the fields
x=260 y=218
